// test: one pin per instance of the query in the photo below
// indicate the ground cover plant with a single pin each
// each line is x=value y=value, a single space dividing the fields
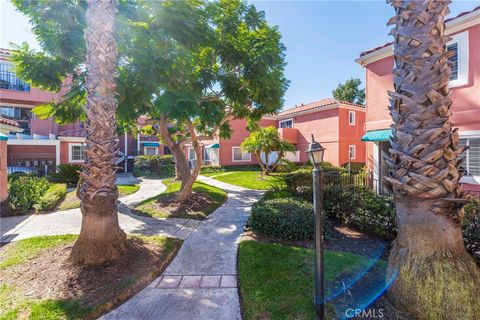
x=38 y=281
x=276 y=281
x=204 y=200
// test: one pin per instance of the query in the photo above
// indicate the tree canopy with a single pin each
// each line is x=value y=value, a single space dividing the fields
x=350 y=91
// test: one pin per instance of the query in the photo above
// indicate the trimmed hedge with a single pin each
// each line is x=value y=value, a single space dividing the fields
x=50 y=199
x=289 y=219
x=25 y=191
x=154 y=164
x=471 y=227
x=220 y=169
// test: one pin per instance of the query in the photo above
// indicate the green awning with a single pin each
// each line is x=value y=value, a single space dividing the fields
x=213 y=146
x=377 y=135
x=151 y=144
x=3 y=136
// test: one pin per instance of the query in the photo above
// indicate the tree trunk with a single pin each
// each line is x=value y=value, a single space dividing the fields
x=101 y=240
x=267 y=166
x=181 y=165
x=187 y=188
x=435 y=276
x=260 y=162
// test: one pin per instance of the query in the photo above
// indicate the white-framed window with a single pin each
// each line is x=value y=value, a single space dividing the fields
x=351 y=118
x=352 y=151
x=191 y=153
x=150 y=151
x=288 y=123
x=239 y=155
x=471 y=164
x=459 y=60
x=76 y=152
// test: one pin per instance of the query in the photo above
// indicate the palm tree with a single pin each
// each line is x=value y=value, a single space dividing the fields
x=267 y=140
x=101 y=239
x=435 y=277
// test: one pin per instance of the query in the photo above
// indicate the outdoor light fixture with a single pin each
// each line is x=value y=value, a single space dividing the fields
x=315 y=154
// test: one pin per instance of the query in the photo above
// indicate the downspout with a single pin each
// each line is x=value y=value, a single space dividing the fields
x=138 y=139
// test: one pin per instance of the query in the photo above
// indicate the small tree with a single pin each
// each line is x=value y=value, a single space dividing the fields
x=267 y=140
x=350 y=91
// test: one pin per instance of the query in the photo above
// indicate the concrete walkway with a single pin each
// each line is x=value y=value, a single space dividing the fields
x=201 y=282
x=69 y=221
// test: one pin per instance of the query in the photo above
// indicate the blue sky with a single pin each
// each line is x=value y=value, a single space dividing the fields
x=322 y=38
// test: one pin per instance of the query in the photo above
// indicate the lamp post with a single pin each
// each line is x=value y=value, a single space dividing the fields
x=315 y=154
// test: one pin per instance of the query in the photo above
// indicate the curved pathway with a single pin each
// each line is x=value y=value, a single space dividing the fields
x=69 y=221
x=201 y=282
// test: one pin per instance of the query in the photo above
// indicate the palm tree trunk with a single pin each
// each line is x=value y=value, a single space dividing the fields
x=435 y=277
x=101 y=240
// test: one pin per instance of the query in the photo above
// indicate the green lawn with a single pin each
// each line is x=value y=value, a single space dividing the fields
x=276 y=281
x=16 y=304
x=149 y=207
x=248 y=179
x=71 y=201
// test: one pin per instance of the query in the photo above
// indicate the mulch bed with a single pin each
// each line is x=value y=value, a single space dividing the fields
x=51 y=275
x=198 y=201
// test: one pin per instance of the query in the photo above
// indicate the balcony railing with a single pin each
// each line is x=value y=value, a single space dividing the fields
x=38 y=164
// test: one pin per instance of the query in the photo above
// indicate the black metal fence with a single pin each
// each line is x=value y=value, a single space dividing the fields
x=359 y=179
x=38 y=164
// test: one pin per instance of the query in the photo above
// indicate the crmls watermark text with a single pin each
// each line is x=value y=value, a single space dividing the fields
x=362 y=313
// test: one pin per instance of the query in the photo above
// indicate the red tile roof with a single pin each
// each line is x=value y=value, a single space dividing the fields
x=315 y=105
x=390 y=43
x=76 y=133
x=8 y=122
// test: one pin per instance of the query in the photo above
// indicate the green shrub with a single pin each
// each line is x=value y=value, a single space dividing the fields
x=355 y=166
x=14 y=176
x=471 y=227
x=66 y=173
x=299 y=183
x=49 y=200
x=361 y=208
x=289 y=219
x=220 y=169
x=24 y=192
x=285 y=165
x=154 y=164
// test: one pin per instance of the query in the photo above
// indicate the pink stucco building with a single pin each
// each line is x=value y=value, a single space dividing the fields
x=338 y=126
x=465 y=93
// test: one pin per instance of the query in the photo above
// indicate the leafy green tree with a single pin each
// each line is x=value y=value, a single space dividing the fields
x=350 y=91
x=191 y=66
x=267 y=140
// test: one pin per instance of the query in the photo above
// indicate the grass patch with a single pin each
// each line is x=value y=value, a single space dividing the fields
x=69 y=291
x=71 y=200
x=249 y=179
x=276 y=281
x=20 y=251
x=161 y=206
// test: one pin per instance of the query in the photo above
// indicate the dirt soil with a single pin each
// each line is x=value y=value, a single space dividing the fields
x=51 y=275
x=197 y=202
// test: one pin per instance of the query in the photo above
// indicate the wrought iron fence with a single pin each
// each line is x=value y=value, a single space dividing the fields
x=360 y=179
x=37 y=164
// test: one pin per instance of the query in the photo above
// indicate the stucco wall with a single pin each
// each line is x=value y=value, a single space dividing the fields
x=3 y=170
x=351 y=135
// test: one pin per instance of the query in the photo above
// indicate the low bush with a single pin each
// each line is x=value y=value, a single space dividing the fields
x=299 y=183
x=355 y=166
x=14 y=176
x=471 y=227
x=220 y=169
x=25 y=191
x=361 y=208
x=154 y=164
x=66 y=173
x=289 y=219
x=285 y=165
x=50 y=199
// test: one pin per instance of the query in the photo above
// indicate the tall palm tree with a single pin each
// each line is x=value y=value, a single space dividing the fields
x=101 y=239
x=266 y=140
x=436 y=278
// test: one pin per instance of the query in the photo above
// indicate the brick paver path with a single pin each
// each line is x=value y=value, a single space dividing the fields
x=201 y=282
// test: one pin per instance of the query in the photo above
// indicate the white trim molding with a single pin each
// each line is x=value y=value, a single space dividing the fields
x=354 y=148
x=243 y=153
x=284 y=120
x=452 y=26
x=70 y=145
x=350 y=112
x=147 y=147
x=461 y=39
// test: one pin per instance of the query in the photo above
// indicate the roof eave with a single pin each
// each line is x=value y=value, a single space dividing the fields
x=453 y=26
